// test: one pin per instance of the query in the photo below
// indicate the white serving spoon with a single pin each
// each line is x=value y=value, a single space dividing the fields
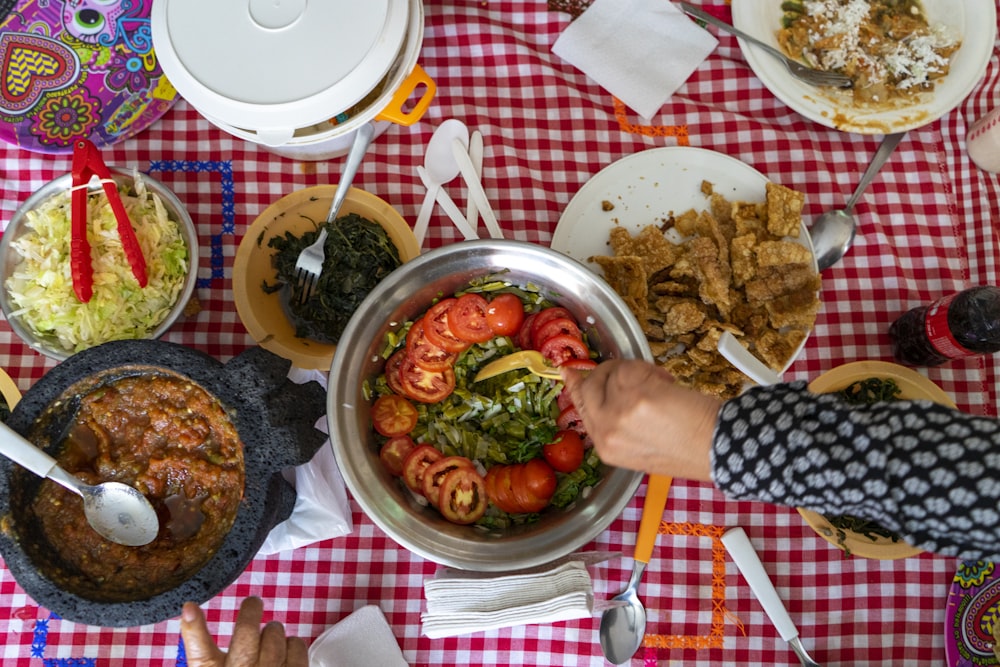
x=440 y=168
x=460 y=152
x=116 y=511
x=744 y=361
x=476 y=155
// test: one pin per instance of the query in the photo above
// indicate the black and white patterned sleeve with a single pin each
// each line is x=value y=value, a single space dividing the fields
x=923 y=471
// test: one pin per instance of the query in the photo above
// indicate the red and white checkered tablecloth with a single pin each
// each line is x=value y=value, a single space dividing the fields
x=926 y=230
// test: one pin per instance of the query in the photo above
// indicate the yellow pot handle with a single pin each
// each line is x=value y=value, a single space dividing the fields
x=393 y=112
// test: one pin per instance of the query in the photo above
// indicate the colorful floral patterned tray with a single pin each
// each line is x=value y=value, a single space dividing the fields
x=973 y=610
x=73 y=69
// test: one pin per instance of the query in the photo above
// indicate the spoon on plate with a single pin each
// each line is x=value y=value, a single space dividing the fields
x=116 y=511
x=623 y=626
x=439 y=168
x=833 y=232
x=744 y=360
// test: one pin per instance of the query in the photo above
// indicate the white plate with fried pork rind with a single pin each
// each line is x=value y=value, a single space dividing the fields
x=973 y=22
x=763 y=287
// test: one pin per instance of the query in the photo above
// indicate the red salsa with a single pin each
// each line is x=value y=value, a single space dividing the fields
x=172 y=440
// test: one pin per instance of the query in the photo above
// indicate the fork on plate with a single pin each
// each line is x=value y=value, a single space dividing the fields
x=308 y=267
x=801 y=72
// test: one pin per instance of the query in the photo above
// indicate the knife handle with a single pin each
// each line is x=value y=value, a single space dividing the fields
x=748 y=562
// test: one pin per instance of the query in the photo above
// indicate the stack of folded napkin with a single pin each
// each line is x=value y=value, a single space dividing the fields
x=460 y=603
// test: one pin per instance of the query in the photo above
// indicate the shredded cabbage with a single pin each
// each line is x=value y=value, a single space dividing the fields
x=41 y=284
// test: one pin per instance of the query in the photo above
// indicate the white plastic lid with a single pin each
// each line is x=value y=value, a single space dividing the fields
x=276 y=65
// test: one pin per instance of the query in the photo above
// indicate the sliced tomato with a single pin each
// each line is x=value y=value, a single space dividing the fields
x=523 y=339
x=393 y=415
x=416 y=463
x=559 y=326
x=505 y=314
x=435 y=474
x=463 y=496
x=562 y=348
x=392 y=370
x=437 y=329
x=580 y=364
x=424 y=353
x=467 y=319
x=546 y=315
x=499 y=490
x=533 y=484
x=565 y=452
x=569 y=419
x=394 y=453
x=423 y=385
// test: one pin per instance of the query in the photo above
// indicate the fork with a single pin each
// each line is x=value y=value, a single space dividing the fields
x=813 y=77
x=309 y=265
x=748 y=563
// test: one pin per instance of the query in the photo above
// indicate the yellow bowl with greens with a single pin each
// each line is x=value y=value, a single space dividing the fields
x=912 y=386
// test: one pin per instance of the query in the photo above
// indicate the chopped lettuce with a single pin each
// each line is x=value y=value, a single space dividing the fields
x=41 y=284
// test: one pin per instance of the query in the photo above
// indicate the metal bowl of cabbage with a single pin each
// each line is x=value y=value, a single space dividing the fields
x=37 y=298
x=404 y=295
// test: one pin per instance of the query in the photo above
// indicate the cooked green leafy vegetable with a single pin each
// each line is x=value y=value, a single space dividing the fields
x=359 y=254
x=869 y=391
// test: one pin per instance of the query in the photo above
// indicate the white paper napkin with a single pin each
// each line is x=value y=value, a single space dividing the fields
x=459 y=605
x=640 y=51
x=321 y=510
x=363 y=639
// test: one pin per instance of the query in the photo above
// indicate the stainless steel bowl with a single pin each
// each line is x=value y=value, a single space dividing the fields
x=8 y=256
x=404 y=295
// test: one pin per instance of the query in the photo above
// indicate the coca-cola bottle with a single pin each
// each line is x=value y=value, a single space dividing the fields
x=959 y=325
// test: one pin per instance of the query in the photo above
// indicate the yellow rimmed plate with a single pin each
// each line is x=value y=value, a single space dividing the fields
x=913 y=386
x=263 y=314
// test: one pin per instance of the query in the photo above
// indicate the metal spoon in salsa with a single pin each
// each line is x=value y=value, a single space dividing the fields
x=116 y=511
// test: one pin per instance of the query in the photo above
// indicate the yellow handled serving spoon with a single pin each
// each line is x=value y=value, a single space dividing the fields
x=529 y=359
x=624 y=626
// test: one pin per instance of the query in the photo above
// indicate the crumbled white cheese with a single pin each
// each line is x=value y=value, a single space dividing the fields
x=909 y=62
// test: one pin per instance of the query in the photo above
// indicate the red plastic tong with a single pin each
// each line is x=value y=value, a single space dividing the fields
x=87 y=163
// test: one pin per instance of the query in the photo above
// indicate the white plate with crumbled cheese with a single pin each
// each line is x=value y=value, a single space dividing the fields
x=973 y=22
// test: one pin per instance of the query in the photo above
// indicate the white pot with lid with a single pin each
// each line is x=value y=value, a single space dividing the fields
x=295 y=76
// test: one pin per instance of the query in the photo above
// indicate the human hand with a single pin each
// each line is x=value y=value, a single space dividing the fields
x=250 y=646
x=640 y=418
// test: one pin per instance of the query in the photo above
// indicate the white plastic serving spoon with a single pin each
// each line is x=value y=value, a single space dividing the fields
x=440 y=168
x=745 y=361
x=460 y=153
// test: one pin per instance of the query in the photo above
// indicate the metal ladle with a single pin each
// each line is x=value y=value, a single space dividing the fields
x=116 y=511
x=833 y=232
x=624 y=625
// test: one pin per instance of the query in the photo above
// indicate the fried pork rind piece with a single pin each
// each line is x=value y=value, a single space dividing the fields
x=621 y=241
x=656 y=251
x=784 y=210
x=731 y=272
